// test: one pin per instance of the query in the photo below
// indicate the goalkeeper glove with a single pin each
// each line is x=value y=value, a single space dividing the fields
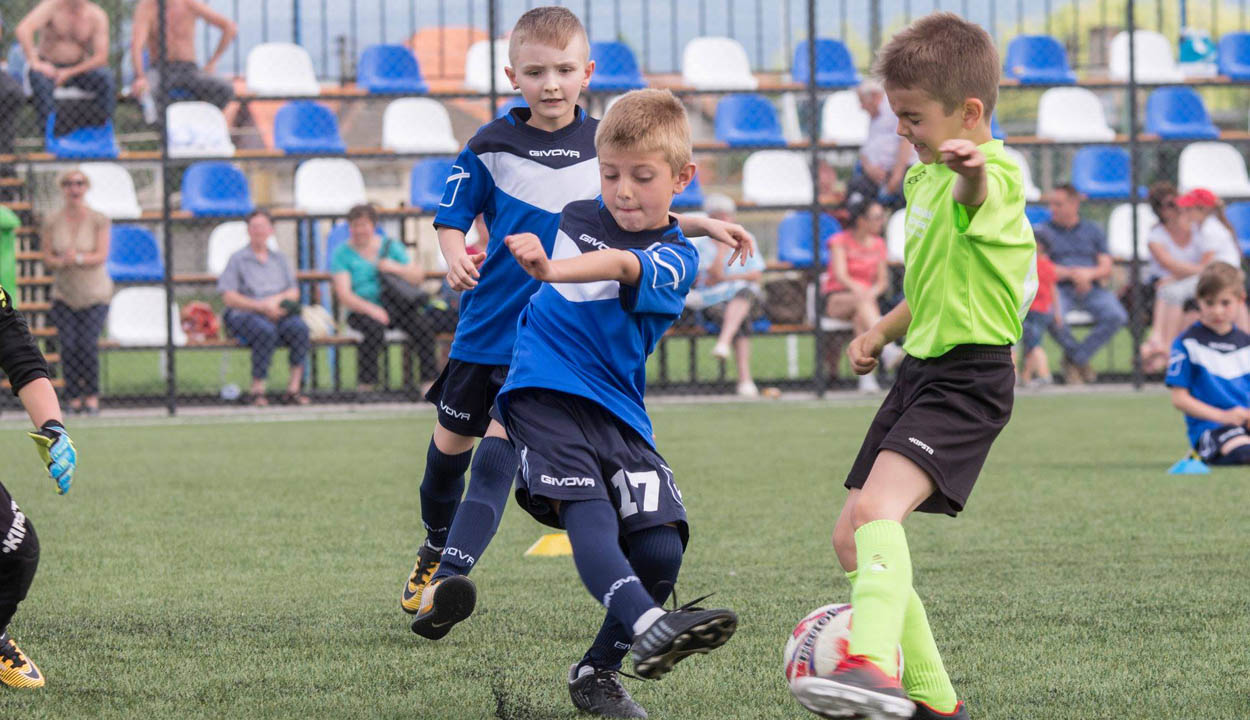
x=57 y=452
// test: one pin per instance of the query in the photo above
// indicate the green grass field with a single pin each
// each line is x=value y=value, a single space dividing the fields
x=224 y=569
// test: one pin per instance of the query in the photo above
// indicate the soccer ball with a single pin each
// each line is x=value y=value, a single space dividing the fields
x=819 y=642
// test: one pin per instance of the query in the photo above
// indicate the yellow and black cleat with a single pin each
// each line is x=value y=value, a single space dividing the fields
x=17 y=670
x=427 y=564
x=445 y=602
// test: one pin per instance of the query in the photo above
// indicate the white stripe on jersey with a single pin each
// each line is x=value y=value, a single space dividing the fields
x=565 y=248
x=1227 y=365
x=543 y=187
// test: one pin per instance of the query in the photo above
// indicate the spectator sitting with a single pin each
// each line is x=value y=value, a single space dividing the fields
x=262 y=308
x=1209 y=370
x=1079 y=250
x=730 y=295
x=1206 y=212
x=72 y=51
x=1044 y=315
x=183 y=74
x=11 y=101
x=884 y=157
x=76 y=248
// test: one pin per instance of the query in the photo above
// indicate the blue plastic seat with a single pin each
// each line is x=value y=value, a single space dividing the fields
x=616 y=68
x=834 y=66
x=1101 y=171
x=214 y=189
x=91 y=142
x=428 y=180
x=996 y=130
x=1037 y=214
x=17 y=62
x=1239 y=215
x=390 y=69
x=134 y=255
x=1038 y=60
x=513 y=102
x=691 y=197
x=1175 y=113
x=747 y=120
x=794 y=237
x=305 y=127
x=1234 y=55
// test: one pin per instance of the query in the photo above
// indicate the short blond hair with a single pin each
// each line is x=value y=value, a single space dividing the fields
x=70 y=172
x=548 y=25
x=647 y=121
x=947 y=57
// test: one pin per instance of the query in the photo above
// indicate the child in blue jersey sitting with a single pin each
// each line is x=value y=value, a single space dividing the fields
x=1209 y=370
x=616 y=280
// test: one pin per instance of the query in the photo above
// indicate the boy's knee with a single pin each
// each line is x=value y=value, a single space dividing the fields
x=844 y=538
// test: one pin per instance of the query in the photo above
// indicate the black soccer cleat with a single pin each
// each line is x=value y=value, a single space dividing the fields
x=427 y=564
x=856 y=687
x=678 y=634
x=924 y=712
x=445 y=602
x=600 y=692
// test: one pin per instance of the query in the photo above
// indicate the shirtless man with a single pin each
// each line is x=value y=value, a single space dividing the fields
x=72 y=51
x=180 y=46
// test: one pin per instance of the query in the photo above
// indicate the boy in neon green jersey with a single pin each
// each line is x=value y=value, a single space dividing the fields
x=971 y=277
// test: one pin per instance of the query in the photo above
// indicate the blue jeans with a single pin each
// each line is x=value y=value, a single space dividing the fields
x=264 y=336
x=1109 y=317
x=78 y=332
x=98 y=81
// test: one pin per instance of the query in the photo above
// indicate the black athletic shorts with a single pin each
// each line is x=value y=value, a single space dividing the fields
x=1211 y=442
x=13 y=523
x=943 y=414
x=573 y=449
x=464 y=393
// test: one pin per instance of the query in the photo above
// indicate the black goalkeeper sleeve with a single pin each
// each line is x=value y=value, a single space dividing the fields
x=20 y=358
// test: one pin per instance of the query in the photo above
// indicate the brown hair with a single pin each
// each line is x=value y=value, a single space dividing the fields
x=1068 y=189
x=258 y=211
x=548 y=25
x=946 y=56
x=1159 y=192
x=363 y=210
x=1218 y=277
x=647 y=121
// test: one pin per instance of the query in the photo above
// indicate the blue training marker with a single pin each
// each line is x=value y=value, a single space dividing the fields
x=1189 y=466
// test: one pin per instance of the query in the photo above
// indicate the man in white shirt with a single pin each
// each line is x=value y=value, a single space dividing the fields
x=884 y=157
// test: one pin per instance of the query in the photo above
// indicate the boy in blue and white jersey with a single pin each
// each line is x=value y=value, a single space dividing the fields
x=573 y=401
x=1209 y=370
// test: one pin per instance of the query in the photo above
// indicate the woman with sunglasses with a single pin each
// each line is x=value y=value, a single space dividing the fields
x=75 y=242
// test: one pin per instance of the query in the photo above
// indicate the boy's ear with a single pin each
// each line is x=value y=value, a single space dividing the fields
x=511 y=77
x=974 y=112
x=590 y=70
x=684 y=176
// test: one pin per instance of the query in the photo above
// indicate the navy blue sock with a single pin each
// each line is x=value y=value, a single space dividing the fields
x=655 y=554
x=441 y=489
x=490 y=484
x=593 y=532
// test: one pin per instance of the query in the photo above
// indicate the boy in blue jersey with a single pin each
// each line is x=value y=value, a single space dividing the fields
x=519 y=172
x=1209 y=370
x=573 y=400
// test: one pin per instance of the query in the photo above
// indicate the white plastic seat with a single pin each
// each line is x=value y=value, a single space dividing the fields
x=1153 y=53
x=896 y=237
x=135 y=318
x=477 y=67
x=1031 y=192
x=112 y=191
x=1072 y=114
x=1216 y=166
x=276 y=69
x=1120 y=231
x=843 y=120
x=418 y=125
x=717 y=63
x=328 y=186
x=227 y=239
x=776 y=177
x=197 y=129
x=1078 y=318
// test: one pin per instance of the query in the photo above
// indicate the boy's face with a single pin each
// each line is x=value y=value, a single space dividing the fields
x=551 y=79
x=638 y=187
x=1219 y=312
x=924 y=123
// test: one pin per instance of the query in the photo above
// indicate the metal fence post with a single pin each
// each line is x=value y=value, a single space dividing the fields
x=162 y=101
x=1135 y=321
x=813 y=138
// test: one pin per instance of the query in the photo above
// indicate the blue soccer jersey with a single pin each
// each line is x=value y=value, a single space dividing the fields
x=520 y=178
x=592 y=339
x=1214 y=368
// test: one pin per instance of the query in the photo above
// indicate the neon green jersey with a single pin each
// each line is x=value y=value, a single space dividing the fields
x=967 y=281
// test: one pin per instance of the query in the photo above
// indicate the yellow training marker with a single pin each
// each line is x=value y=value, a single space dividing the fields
x=550 y=545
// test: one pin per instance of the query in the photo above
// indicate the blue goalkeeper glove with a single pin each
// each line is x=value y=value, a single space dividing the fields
x=57 y=452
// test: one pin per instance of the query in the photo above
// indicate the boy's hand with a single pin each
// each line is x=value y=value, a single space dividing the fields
x=962 y=156
x=529 y=253
x=1237 y=417
x=57 y=452
x=730 y=234
x=864 y=351
x=462 y=274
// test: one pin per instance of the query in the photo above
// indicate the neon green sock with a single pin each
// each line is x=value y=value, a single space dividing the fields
x=881 y=593
x=850 y=577
x=924 y=676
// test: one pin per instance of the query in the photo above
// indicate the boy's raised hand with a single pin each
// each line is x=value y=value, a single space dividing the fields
x=962 y=156
x=57 y=452
x=462 y=274
x=530 y=254
x=733 y=235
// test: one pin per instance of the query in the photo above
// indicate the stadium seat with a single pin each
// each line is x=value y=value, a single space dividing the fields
x=717 y=63
x=136 y=318
x=225 y=240
x=996 y=130
x=1038 y=60
x=477 y=73
x=415 y=125
x=1072 y=114
x=776 y=177
x=197 y=129
x=896 y=237
x=1216 y=166
x=17 y=62
x=215 y=188
x=747 y=119
x=1031 y=191
x=616 y=68
x=84 y=143
x=134 y=255
x=794 y=238
x=328 y=186
x=1101 y=172
x=427 y=181
x=280 y=69
x=1037 y=214
x=1175 y=113
x=506 y=106
x=691 y=197
x=1239 y=215
x=112 y=190
x=843 y=120
x=834 y=65
x=1154 y=56
x=1120 y=231
x=304 y=127
x=441 y=49
x=1234 y=55
x=390 y=69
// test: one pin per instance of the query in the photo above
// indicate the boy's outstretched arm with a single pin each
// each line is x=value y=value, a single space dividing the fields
x=728 y=234
x=865 y=349
x=619 y=265
x=967 y=160
x=1193 y=407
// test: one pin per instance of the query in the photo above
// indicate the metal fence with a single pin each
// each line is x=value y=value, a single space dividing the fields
x=317 y=107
